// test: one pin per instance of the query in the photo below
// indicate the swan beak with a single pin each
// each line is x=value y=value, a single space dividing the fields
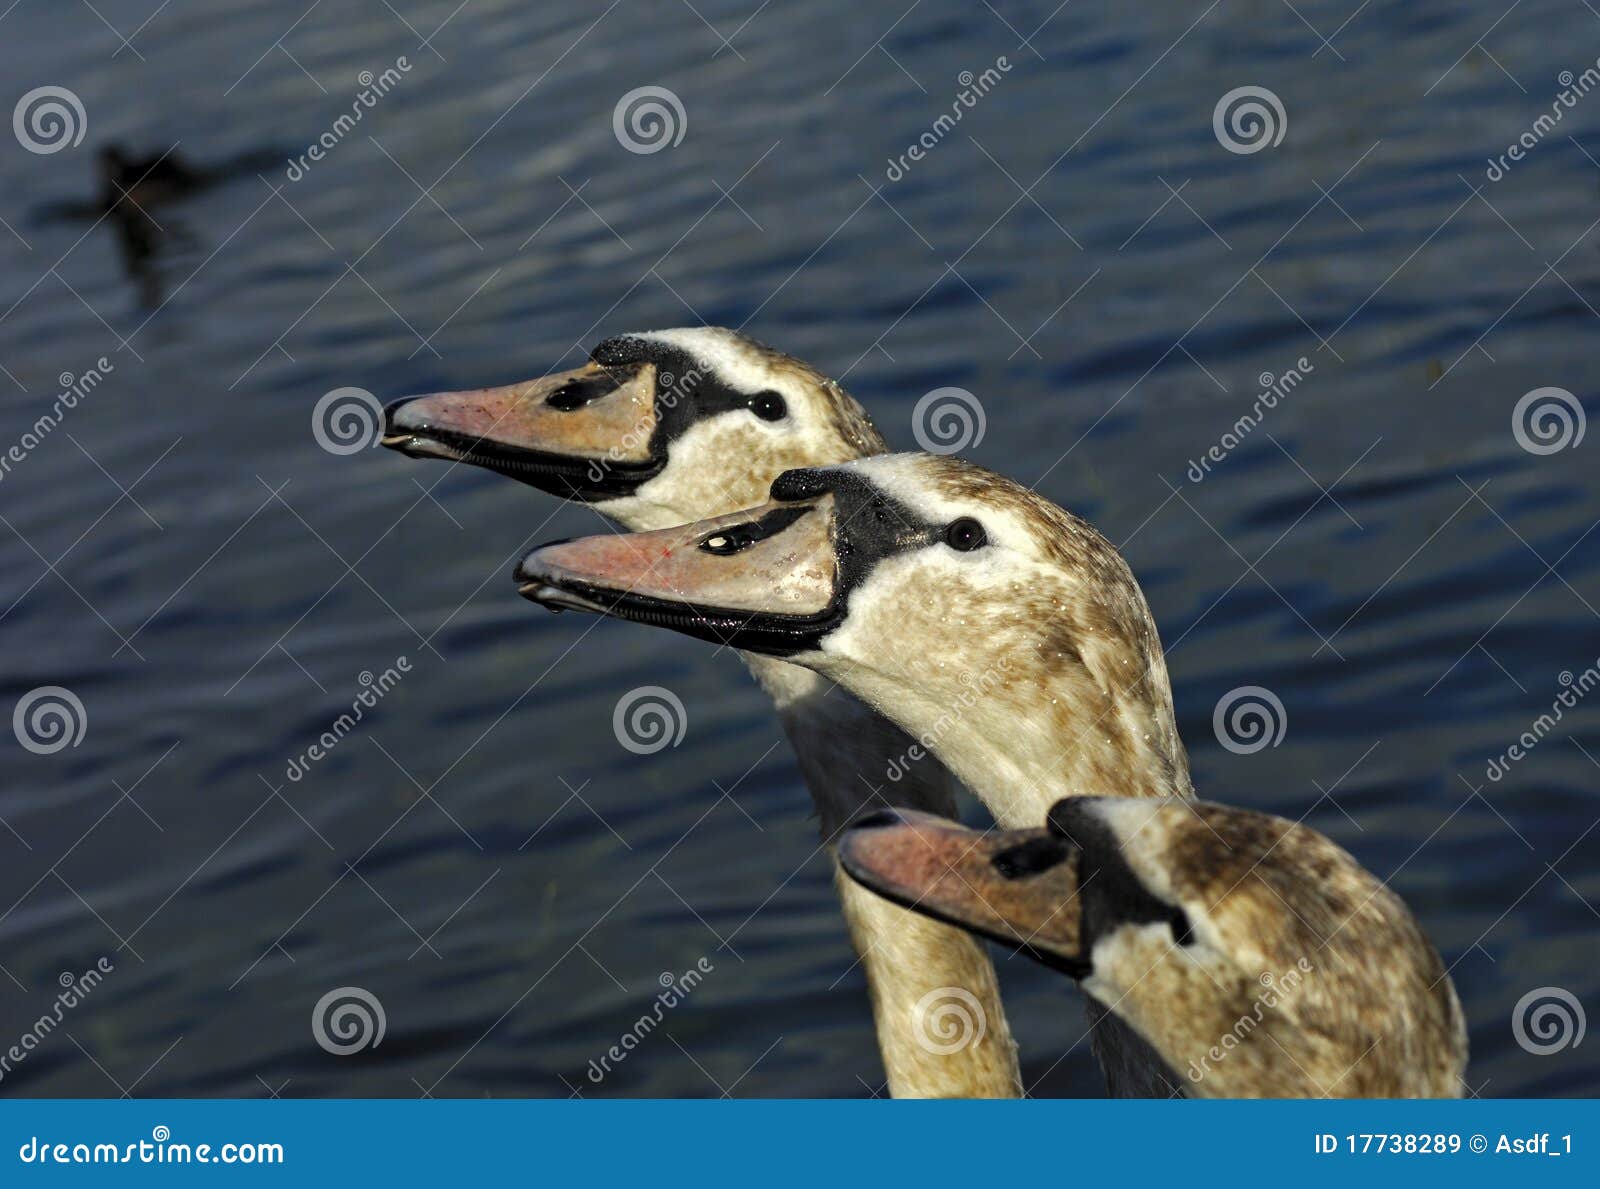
x=1018 y=887
x=584 y=434
x=762 y=580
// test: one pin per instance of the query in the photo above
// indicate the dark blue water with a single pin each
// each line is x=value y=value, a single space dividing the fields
x=1079 y=251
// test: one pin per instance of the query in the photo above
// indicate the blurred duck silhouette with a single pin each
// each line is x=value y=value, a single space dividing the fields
x=132 y=188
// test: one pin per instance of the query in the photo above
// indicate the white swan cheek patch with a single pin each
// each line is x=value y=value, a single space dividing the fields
x=936 y=594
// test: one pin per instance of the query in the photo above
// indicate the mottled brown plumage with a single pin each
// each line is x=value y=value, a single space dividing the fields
x=1361 y=1007
x=1255 y=956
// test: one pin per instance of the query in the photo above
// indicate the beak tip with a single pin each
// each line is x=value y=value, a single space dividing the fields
x=539 y=580
x=392 y=409
x=856 y=842
x=400 y=429
x=529 y=570
x=850 y=857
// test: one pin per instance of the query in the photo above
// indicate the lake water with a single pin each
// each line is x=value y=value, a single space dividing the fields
x=1080 y=251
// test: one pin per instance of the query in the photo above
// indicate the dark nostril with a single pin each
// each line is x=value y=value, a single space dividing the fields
x=877 y=820
x=739 y=537
x=1030 y=858
x=575 y=394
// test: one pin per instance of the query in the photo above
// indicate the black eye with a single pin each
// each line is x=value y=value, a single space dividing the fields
x=768 y=406
x=965 y=535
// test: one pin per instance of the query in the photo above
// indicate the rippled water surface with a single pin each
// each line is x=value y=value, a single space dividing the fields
x=1079 y=251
